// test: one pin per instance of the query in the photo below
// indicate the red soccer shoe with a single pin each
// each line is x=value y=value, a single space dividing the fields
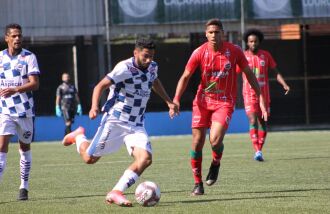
x=118 y=198
x=70 y=138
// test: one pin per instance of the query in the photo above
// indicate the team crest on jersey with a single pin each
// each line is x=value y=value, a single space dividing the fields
x=27 y=134
x=262 y=62
x=227 y=65
x=227 y=53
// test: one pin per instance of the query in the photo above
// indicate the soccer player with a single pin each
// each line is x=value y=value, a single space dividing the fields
x=130 y=84
x=19 y=76
x=215 y=99
x=261 y=62
x=67 y=102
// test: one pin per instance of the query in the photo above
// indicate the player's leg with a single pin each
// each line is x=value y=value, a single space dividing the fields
x=220 y=122
x=79 y=138
x=200 y=124
x=4 y=142
x=68 y=118
x=7 y=130
x=217 y=134
x=253 y=129
x=25 y=134
x=25 y=168
x=139 y=148
x=262 y=133
x=196 y=158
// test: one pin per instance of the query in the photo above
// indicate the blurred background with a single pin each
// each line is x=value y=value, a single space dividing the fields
x=86 y=38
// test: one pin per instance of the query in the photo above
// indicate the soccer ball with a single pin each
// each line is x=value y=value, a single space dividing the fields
x=147 y=194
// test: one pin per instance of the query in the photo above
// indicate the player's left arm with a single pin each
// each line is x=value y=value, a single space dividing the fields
x=31 y=85
x=281 y=80
x=160 y=90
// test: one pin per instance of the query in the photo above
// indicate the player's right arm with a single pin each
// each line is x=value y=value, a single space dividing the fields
x=181 y=86
x=190 y=68
x=251 y=78
x=97 y=93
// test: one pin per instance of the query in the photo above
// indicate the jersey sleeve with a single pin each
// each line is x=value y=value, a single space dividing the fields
x=33 y=68
x=58 y=91
x=193 y=61
x=241 y=61
x=119 y=73
x=272 y=63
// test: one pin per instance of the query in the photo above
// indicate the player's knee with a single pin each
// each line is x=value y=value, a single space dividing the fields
x=146 y=162
x=252 y=119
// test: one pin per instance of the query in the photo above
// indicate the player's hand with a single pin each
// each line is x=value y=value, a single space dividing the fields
x=58 y=111
x=264 y=113
x=79 y=110
x=93 y=113
x=173 y=110
x=7 y=92
x=287 y=89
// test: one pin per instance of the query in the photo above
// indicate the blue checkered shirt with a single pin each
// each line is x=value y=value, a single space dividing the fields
x=14 y=71
x=130 y=91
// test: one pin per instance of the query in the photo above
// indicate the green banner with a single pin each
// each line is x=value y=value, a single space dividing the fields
x=172 y=11
x=185 y=11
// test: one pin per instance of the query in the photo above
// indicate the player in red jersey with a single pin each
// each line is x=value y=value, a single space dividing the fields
x=215 y=99
x=261 y=62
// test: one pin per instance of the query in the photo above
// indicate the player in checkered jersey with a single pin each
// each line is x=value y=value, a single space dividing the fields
x=130 y=84
x=19 y=76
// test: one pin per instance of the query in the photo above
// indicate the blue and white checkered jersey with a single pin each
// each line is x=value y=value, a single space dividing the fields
x=130 y=91
x=14 y=71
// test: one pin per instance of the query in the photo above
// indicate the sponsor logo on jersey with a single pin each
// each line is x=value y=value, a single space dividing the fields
x=227 y=65
x=220 y=74
x=142 y=93
x=9 y=83
x=262 y=63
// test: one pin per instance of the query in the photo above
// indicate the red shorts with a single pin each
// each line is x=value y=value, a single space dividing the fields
x=203 y=115
x=254 y=107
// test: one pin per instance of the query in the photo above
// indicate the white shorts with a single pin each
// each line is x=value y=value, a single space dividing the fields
x=112 y=134
x=22 y=127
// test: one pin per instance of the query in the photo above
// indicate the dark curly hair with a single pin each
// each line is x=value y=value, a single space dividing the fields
x=255 y=32
x=144 y=42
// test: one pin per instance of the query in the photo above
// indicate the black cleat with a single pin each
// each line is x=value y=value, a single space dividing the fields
x=23 y=195
x=198 y=189
x=212 y=177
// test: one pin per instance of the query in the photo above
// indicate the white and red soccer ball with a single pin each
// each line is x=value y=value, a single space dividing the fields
x=147 y=194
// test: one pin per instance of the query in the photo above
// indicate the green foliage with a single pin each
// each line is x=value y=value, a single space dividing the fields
x=295 y=178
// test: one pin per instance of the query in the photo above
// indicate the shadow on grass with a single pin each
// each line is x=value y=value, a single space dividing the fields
x=234 y=199
x=303 y=158
x=54 y=198
x=289 y=190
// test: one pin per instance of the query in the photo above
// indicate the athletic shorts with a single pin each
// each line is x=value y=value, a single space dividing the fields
x=202 y=116
x=112 y=134
x=68 y=114
x=254 y=107
x=22 y=127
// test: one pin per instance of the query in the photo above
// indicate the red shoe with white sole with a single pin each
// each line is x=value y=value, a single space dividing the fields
x=118 y=198
x=70 y=138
